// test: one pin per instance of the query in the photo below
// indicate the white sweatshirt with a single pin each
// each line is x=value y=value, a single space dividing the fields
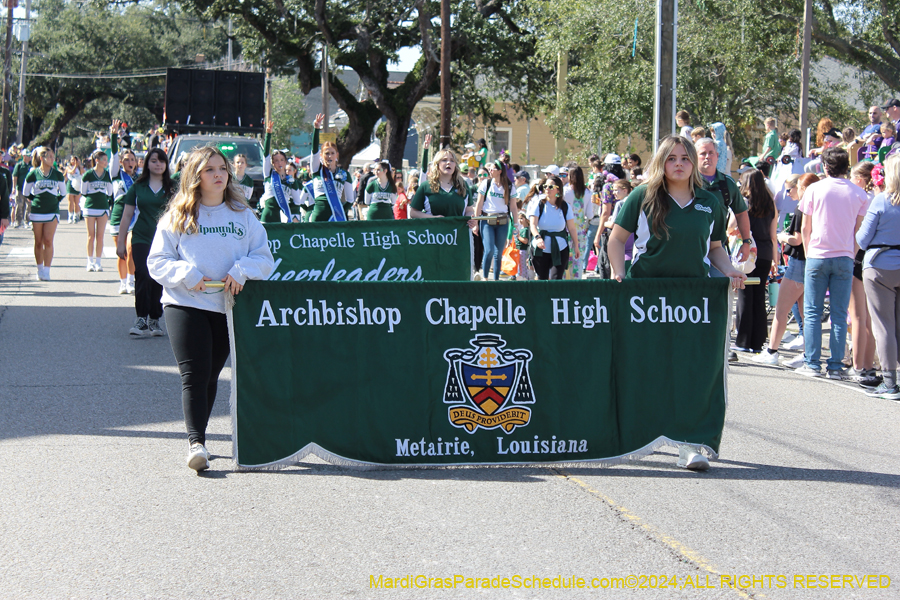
x=228 y=243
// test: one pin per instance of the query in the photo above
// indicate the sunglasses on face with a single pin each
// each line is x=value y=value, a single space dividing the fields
x=551 y=187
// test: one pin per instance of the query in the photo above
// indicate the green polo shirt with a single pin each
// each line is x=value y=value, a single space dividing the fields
x=151 y=205
x=442 y=203
x=692 y=229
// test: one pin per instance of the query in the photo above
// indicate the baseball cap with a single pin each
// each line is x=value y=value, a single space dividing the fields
x=612 y=159
x=470 y=145
x=524 y=175
x=564 y=170
x=833 y=132
x=552 y=169
x=890 y=103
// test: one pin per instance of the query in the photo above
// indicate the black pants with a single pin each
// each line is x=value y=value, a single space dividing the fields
x=200 y=343
x=147 y=293
x=543 y=265
x=752 y=325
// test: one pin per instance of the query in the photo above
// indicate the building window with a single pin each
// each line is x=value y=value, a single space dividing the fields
x=502 y=141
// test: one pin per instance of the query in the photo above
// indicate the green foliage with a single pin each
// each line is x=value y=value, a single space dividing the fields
x=735 y=65
x=288 y=111
x=861 y=33
x=488 y=45
x=77 y=37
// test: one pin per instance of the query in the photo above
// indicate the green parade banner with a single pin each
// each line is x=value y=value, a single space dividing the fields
x=459 y=373
x=402 y=250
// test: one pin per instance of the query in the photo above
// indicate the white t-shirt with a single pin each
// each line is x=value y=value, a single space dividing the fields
x=552 y=220
x=587 y=204
x=494 y=201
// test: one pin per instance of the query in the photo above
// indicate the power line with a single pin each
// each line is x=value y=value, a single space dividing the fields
x=136 y=73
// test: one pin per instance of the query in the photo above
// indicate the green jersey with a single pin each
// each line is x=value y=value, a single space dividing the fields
x=443 y=203
x=246 y=185
x=151 y=205
x=45 y=192
x=380 y=200
x=692 y=230
x=98 y=189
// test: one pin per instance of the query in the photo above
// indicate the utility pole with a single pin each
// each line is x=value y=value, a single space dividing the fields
x=7 y=75
x=325 y=92
x=804 y=71
x=562 y=74
x=666 y=61
x=444 y=142
x=229 y=58
x=25 y=31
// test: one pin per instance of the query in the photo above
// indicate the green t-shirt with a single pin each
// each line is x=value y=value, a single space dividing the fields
x=151 y=205
x=19 y=172
x=692 y=230
x=441 y=204
x=45 y=191
x=738 y=204
x=771 y=147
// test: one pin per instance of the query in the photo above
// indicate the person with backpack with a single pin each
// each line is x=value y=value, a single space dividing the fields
x=551 y=217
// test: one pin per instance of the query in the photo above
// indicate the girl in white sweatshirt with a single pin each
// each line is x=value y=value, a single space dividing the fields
x=208 y=233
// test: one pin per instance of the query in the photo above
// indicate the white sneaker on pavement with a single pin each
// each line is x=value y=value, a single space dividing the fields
x=198 y=457
x=795 y=344
x=767 y=358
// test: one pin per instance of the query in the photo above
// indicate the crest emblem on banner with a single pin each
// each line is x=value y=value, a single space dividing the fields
x=488 y=386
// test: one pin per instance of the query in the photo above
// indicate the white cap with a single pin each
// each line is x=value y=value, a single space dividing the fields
x=470 y=145
x=564 y=170
x=612 y=159
x=552 y=169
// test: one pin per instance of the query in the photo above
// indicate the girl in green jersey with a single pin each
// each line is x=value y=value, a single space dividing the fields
x=73 y=173
x=243 y=180
x=326 y=158
x=96 y=189
x=44 y=187
x=678 y=227
x=381 y=193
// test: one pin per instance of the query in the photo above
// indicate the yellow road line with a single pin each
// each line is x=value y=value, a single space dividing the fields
x=689 y=554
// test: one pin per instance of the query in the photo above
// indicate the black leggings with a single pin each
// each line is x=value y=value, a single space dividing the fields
x=200 y=343
x=543 y=265
x=147 y=292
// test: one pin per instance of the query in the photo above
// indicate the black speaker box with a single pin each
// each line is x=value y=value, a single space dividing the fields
x=203 y=95
x=252 y=99
x=178 y=95
x=228 y=92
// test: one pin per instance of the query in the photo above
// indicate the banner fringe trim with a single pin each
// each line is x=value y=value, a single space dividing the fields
x=313 y=449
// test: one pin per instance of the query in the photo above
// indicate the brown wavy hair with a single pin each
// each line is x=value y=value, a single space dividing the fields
x=184 y=208
x=656 y=201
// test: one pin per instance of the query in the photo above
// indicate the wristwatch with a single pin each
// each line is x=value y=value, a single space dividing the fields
x=746 y=241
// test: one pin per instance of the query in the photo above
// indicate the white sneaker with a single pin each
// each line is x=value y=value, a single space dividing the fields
x=198 y=458
x=97 y=266
x=808 y=371
x=123 y=289
x=689 y=458
x=794 y=363
x=795 y=344
x=44 y=274
x=767 y=358
x=90 y=264
x=129 y=288
x=39 y=274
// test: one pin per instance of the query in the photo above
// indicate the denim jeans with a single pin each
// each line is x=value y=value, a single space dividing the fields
x=836 y=276
x=591 y=232
x=494 y=239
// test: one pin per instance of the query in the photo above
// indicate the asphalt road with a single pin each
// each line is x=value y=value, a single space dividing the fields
x=96 y=500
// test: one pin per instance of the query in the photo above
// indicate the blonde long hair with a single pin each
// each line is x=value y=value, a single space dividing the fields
x=656 y=202
x=185 y=206
x=892 y=178
x=434 y=174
